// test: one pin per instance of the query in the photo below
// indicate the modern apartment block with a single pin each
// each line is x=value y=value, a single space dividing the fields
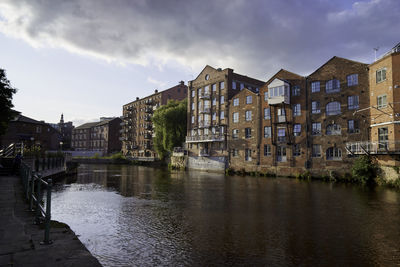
x=384 y=111
x=101 y=136
x=137 y=128
x=209 y=98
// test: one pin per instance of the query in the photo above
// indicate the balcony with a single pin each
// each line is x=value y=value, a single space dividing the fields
x=281 y=118
x=149 y=102
x=278 y=92
x=204 y=153
x=204 y=124
x=205 y=95
x=205 y=138
x=148 y=110
x=386 y=147
x=205 y=110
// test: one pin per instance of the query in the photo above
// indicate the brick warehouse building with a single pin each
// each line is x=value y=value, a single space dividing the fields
x=292 y=124
x=137 y=128
x=384 y=111
x=101 y=136
x=208 y=108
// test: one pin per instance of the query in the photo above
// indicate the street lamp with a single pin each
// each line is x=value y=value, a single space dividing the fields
x=61 y=144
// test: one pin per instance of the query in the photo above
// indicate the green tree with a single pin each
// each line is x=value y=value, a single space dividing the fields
x=169 y=126
x=6 y=94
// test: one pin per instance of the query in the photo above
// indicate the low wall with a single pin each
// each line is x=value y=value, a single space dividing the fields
x=179 y=162
x=215 y=164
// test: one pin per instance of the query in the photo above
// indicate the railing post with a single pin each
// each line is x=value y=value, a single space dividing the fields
x=38 y=199
x=47 y=240
x=31 y=190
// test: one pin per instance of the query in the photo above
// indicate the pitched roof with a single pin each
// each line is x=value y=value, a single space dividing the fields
x=336 y=58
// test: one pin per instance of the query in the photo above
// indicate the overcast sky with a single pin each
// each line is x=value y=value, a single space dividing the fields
x=86 y=58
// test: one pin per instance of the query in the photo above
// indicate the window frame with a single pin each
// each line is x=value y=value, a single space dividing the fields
x=315 y=87
x=248 y=115
x=247 y=133
x=329 y=108
x=267 y=131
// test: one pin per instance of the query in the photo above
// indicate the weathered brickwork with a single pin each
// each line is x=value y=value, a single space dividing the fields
x=208 y=108
x=384 y=81
x=137 y=127
x=343 y=89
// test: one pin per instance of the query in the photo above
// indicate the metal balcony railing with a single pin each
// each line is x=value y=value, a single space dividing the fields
x=205 y=138
x=367 y=147
x=205 y=110
x=203 y=153
x=204 y=124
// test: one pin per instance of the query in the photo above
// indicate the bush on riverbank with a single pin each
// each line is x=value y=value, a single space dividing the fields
x=364 y=170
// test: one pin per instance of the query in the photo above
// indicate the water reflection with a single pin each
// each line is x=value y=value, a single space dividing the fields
x=129 y=215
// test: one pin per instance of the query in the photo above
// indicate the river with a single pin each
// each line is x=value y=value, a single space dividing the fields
x=142 y=216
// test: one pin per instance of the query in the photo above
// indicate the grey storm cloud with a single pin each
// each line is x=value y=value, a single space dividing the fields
x=255 y=37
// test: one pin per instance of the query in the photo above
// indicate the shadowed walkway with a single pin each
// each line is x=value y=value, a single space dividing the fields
x=20 y=238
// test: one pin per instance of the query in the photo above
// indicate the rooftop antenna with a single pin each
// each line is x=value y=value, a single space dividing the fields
x=376 y=49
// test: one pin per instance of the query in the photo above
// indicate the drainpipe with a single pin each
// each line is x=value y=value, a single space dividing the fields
x=308 y=132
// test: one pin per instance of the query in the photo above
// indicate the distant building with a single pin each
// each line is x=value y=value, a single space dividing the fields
x=101 y=136
x=137 y=128
x=31 y=132
x=65 y=128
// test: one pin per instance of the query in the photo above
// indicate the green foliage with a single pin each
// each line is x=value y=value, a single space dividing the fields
x=169 y=126
x=364 y=170
x=96 y=156
x=118 y=156
x=6 y=94
x=33 y=152
x=304 y=176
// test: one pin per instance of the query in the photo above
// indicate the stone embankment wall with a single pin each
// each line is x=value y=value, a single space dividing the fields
x=179 y=162
x=214 y=164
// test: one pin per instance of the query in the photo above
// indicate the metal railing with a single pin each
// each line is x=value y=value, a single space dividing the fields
x=205 y=138
x=32 y=183
x=43 y=164
x=367 y=147
x=12 y=150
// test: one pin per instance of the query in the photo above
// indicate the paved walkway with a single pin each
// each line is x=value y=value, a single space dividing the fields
x=20 y=238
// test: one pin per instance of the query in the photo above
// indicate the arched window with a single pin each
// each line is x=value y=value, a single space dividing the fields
x=333 y=153
x=333 y=108
x=332 y=86
x=333 y=129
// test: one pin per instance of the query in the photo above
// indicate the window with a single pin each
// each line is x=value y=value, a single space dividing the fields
x=267 y=150
x=235 y=133
x=214 y=101
x=265 y=96
x=332 y=86
x=333 y=108
x=297 y=129
x=352 y=126
x=383 y=138
x=248 y=115
x=333 y=153
x=382 y=102
x=352 y=102
x=278 y=91
x=38 y=129
x=352 y=79
x=380 y=75
x=214 y=87
x=296 y=110
x=221 y=85
x=247 y=132
x=296 y=150
x=296 y=90
x=199 y=92
x=247 y=154
x=193 y=93
x=315 y=87
x=316 y=128
x=281 y=135
x=206 y=90
x=222 y=115
x=234 y=85
x=241 y=86
x=281 y=115
x=315 y=108
x=333 y=129
x=206 y=104
x=193 y=106
x=236 y=102
x=267 y=132
x=316 y=151
x=192 y=119
x=235 y=152
x=235 y=117
x=222 y=99
x=249 y=99
x=214 y=116
x=267 y=114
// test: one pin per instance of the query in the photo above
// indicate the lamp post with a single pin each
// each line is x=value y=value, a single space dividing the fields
x=61 y=144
